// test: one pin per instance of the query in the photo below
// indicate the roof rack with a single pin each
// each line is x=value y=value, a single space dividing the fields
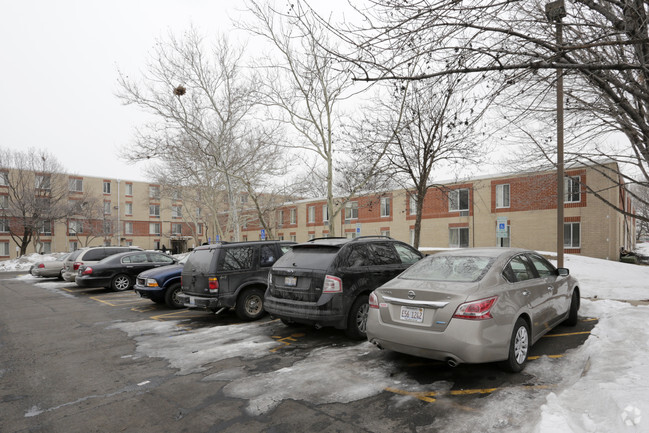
x=370 y=236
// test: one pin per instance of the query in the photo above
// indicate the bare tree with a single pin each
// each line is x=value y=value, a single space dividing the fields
x=88 y=219
x=513 y=47
x=36 y=193
x=306 y=87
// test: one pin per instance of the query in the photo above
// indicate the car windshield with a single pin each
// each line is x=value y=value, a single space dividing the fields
x=449 y=268
x=308 y=257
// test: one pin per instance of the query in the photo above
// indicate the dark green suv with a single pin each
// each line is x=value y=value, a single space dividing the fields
x=230 y=275
x=327 y=282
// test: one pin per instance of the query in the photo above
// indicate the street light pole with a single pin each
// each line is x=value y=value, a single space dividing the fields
x=555 y=11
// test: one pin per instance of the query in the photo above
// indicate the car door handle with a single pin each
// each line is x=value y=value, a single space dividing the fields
x=525 y=293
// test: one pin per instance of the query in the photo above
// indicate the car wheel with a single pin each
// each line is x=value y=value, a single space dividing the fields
x=120 y=283
x=357 y=319
x=518 y=347
x=171 y=296
x=60 y=276
x=250 y=304
x=574 y=309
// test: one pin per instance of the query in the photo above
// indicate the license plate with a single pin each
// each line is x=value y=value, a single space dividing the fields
x=412 y=314
x=192 y=300
x=290 y=281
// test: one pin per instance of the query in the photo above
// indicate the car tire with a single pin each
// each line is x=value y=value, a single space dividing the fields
x=573 y=314
x=519 y=347
x=120 y=283
x=250 y=304
x=357 y=318
x=60 y=276
x=171 y=296
x=159 y=300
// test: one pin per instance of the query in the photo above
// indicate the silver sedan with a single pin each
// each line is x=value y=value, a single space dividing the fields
x=472 y=306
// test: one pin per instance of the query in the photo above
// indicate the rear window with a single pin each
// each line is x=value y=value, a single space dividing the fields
x=200 y=260
x=94 y=255
x=308 y=257
x=449 y=268
x=73 y=255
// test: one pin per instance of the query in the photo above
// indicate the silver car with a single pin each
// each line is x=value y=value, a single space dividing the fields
x=472 y=306
x=49 y=268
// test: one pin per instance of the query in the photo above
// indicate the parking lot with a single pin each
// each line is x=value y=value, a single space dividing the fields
x=92 y=360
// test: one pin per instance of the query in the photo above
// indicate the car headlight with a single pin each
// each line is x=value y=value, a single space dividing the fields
x=150 y=282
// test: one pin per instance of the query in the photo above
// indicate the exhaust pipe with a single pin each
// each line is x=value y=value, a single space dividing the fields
x=376 y=343
x=451 y=362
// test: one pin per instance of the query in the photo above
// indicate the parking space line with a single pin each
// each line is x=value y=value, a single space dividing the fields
x=532 y=358
x=566 y=334
x=431 y=396
x=180 y=314
x=286 y=341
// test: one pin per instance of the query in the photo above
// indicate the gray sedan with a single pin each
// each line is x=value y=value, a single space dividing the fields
x=473 y=306
x=50 y=268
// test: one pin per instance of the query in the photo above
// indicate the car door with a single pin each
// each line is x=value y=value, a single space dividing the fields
x=157 y=260
x=530 y=290
x=236 y=265
x=134 y=264
x=556 y=286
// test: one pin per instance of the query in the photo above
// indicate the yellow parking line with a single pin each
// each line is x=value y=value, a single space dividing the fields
x=432 y=396
x=184 y=314
x=532 y=358
x=567 y=334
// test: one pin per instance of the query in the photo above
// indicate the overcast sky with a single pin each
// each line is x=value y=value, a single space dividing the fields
x=59 y=73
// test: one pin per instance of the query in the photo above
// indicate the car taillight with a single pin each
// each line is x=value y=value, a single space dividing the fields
x=213 y=285
x=76 y=266
x=87 y=271
x=374 y=301
x=332 y=285
x=476 y=310
x=40 y=265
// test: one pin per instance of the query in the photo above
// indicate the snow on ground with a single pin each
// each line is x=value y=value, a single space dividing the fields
x=599 y=387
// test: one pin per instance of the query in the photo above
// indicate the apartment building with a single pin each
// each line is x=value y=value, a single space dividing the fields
x=517 y=210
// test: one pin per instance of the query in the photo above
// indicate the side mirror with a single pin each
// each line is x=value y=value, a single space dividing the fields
x=564 y=272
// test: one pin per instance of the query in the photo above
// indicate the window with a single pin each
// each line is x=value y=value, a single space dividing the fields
x=4 y=226
x=75 y=185
x=244 y=199
x=135 y=258
x=351 y=210
x=4 y=249
x=412 y=205
x=75 y=226
x=106 y=208
x=43 y=182
x=325 y=213
x=106 y=187
x=46 y=228
x=176 y=195
x=407 y=255
x=293 y=238
x=176 y=228
x=518 y=269
x=385 y=233
x=280 y=217
x=458 y=237
x=543 y=267
x=311 y=236
x=44 y=247
x=154 y=210
x=154 y=228
x=4 y=202
x=311 y=214
x=385 y=206
x=128 y=228
x=199 y=229
x=267 y=255
x=176 y=211
x=198 y=212
x=571 y=235
x=572 y=189
x=154 y=191
x=128 y=189
x=238 y=258
x=107 y=227
x=128 y=208
x=293 y=216
x=156 y=245
x=458 y=200
x=4 y=178
x=73 y=246
x=502 y=195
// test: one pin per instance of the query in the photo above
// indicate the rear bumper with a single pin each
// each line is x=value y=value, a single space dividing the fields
x=328 y=311
x=69 y=276
x=199 y=302
x=92 y=282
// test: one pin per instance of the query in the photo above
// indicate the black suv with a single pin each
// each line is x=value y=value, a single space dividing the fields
x=230 y=275
x=327 y=281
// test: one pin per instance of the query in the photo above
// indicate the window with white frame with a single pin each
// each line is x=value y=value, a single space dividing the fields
x=199 y=228
x=311 y=236
x=176 y=229
x=128 y=189
x=572 y=189
x=43 y=182
x=4 y=202
x=75 y=185
x=502 y=195
x=176 y=211
x=45 y=247
x=154 y=191
x=75 y=226
x=412 y=205
x=156 y=245
x=572 y=235
x=4 y=249
x=280 y=217
x=385 y=233
x=107 y=187
x=108 y=227
x=293 y=216
x=154 y=228
x=325 y=213
x=385 y=206
x=311 y=214
x=458 y=200
x=351 y=210
x=128 y=208
x=154 y=210
x=4 y=178
x=293 y=238
x=176 y=195
x=198 y=212
x=128 y=228
x=106 y=208
x=458 y=237
x=73 y=245
x=4 y=225
x=46 y=228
